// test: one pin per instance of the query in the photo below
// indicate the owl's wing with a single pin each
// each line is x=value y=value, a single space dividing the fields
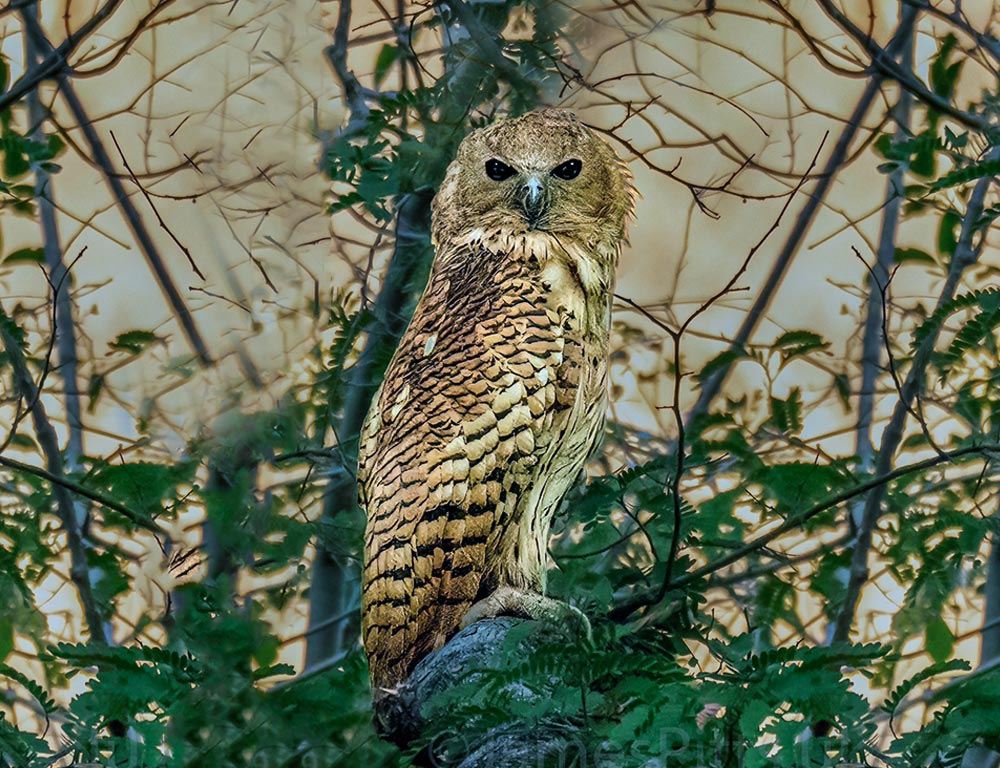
x=469 y=405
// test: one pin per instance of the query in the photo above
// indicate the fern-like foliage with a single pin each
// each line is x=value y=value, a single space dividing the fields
x=37 y=692
x=985 y=300
x=904 y=689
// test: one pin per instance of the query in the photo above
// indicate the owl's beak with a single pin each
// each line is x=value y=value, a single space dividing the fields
x=532 y=199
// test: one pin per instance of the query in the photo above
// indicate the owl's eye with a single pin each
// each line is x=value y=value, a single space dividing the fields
x=568 y=170
x=497 y=170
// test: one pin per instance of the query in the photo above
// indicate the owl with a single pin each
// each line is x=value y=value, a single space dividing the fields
x=497 y=392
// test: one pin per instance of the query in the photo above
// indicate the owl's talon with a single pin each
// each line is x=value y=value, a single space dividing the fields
x=508 y=601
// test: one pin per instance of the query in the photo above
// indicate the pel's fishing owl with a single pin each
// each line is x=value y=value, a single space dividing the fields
x=497 y=393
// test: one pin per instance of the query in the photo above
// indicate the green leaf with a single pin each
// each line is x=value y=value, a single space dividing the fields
x=942 y=74
x=723 y=360
x=387 y=56
x=134 y=341
x=752 y=718
x=986 y=299
x=39 y=694
x=797 y=343
x=23 y=441
x=923 y=149
x=797 y=338
x=883 y=145
x=953 y=140
x=795 y=484
x=95 y=385
x=26 y=256
x=787 y=414
x=6 y=638
x=938 y=639
x=842 y=383
x=901 y=691
x=912 y=256
x=141 y=486
x=56 y=146
x=988 y=217
x=947 y=239
x=15 y=160
x=977 y=333
x=272 y=670
x=966 y=174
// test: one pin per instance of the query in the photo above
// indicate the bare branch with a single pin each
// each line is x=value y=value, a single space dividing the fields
x=121 y=198
x=883 y=60
x=713 y=384
x=159 y=218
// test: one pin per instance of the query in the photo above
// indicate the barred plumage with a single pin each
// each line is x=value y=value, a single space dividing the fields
x=493 y=400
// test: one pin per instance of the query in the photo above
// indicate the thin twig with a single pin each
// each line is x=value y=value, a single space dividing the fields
x=152 y=205
x=677 y=336
x=793 y=522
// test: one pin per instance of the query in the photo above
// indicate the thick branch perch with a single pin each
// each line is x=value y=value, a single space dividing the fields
x=462 y=666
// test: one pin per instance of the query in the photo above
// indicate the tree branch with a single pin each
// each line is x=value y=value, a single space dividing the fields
x=885 y=63
x=121 y=198
x=713 y=384
x=964 y=257
x=141 y=521
x=875 y=313
x=55 y=62
x=63 y=328
x=467 y=661
x=49 y=443
x=878 y=279
x=334 y=579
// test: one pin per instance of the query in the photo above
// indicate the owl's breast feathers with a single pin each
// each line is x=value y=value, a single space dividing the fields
x=487 y=413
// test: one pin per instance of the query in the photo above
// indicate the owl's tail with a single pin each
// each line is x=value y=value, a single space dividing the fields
x=415 y=592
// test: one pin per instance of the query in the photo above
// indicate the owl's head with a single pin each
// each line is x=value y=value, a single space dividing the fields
x=544 y=171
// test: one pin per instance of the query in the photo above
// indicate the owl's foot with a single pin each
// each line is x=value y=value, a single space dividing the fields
x=509 y=601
